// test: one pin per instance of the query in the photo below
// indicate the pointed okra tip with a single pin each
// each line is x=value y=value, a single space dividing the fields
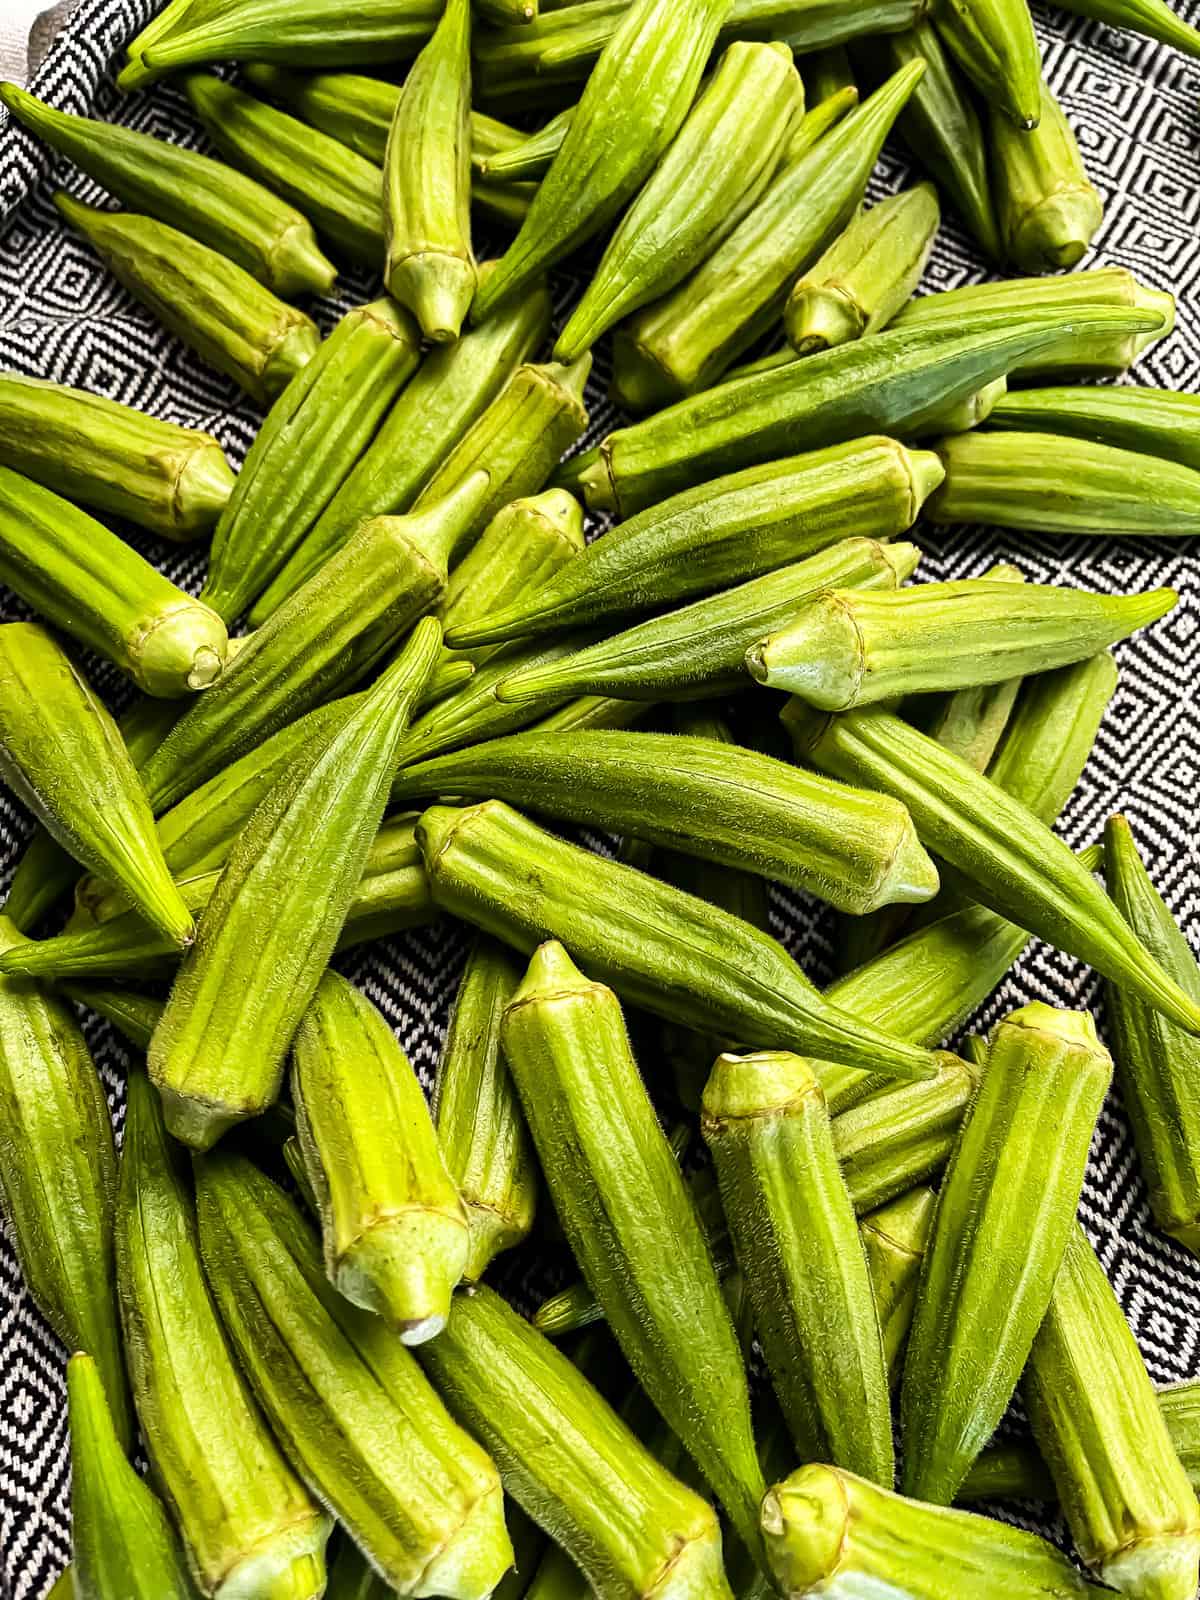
x=550 y=973
x=759 y=1084
x=805 y=1522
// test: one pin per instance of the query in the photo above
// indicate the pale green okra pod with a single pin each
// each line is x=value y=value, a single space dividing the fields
x=1156 y=422
x=894 y=1240
x=1047 y=207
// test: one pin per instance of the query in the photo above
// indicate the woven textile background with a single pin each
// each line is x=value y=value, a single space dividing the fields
x=1136 y=109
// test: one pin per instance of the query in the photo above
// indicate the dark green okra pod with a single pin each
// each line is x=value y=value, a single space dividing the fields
x=1154 y=18
x=994 y=43
x=894 y=1240
x=1047 y=206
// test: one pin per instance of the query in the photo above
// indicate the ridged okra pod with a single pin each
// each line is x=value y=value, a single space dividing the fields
x=489 y=865
x=1158 y=1065
x=1095 y=1416
x=352 y=108
x=686 y=341
x=201 y=197
x=276 y=912
x=221 y=312
x=1007 y=1472
x=530 y=157
x=480 y=1125
x=311 y=439
x=831 y=1534
x=876 y=385
x=1050 y=735
x=1014 y=480
x=92 y=585
x=174 y=481
x=571 y=1462
x=855 y=648
x=248 y=1525
x=724 y=531
x=1047 y=207
x=1005 y=1212
x=1154 y=18
x=866 y=274
x=62 y=754
x=711 y=176
x=894 y=1240
x=544 y=59
x=796 y=1240
x=1013 y=862
x=897 y=1137
x=697 y=795
x=451 y=389
x=994 y=43
x=1154 y=422
x=814 y=123
x=347 y=1401
x=429 y=265
x=393 y=1226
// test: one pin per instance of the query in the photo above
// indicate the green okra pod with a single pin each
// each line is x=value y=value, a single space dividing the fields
x=1095 y=1417
x=347 y=1401
x=697 y=795
x=201 y=197
x=247 y=1524
x=1004 y=1215
x=827 y=72
x=796 y=1239
x=994 y=43
x=311 y=439
x=894 y=1240
x=480 y=1125
x=711 y=176
x=867 y=273
x=1047 y=207
x=209 y=302
x=276 y=912
x=135 y=1016
x=530 y=158
x=353 y=109
x=632 y=106
x=592 y=711
x=92 y=585
x=492 y=867
x=164 y=22
x=429 y=265
x=62 y=754
x=393 y=1226
x=723 y=531
x=854 y=648
x=1154 y=422
x=571 y=1462
x=351 y=1576
x=815 y=123
x=1015 y=480
x=687 y=340
x=1154 y=18
x=545 y=58
x=1157 y=1063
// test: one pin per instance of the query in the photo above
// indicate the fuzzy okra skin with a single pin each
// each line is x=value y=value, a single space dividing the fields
x=570 y=1461
x=347 y=1401
x=662 y=949
x=1047 y=207
x=1154 y=422
x=312 y=437
x=994 y=43
x=1005 y=1212
x=203 y=198
x=796 y=1239
x=1095 y=1416
x=697 y=795
x=894 y=1240
x=394 y=1229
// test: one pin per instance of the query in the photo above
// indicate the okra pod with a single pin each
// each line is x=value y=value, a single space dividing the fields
x=345 y=1398
x=247 y=1523
x=351 y=1576
x=311 y=439
x=1154 y=422
x=531 y=157
x=1047 y=207
x=592 y=711
x=632 y=106
x=854 y=648
x=1007 y=1472
x=164 y=22
x=796 y=1239
x=815 y=123
x=135 y=1016
x=480 y=1126
x=429 y=265
x=1050 y=735
x=894 y=1240
x=867 y=273
x=827 y=72
x=1005 y=1212
x=994 y=43
x=713 y=174
x=201 y=197
x=351 y=108
x=209 y=302
x=1154 y=18
x=92 y=585
x=570 y=1461
x=548 y=57
x=1131 y=1510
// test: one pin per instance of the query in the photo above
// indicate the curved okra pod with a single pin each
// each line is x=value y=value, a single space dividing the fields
x=1004 y=1215
x=311 y=439
x=1154 y=18
x=393 y=1226
x=994 y=43
x=347 y=1401
x=480 y=1125
x=530 y=158
x=796 y=1239
x=1047 y=207
x=92 y=585
x=1131 y=1510
x=204 y=198
x=1154 y=422
x=814 y=124
x=894 y=1240
x=711 y=176
x=429 y=265
x=209 y=302
x=631 y=108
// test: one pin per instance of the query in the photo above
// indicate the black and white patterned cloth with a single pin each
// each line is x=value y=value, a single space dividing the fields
x=1136 y=109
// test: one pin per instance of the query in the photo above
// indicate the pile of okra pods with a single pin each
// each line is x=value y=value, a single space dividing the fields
x=697 y=1279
